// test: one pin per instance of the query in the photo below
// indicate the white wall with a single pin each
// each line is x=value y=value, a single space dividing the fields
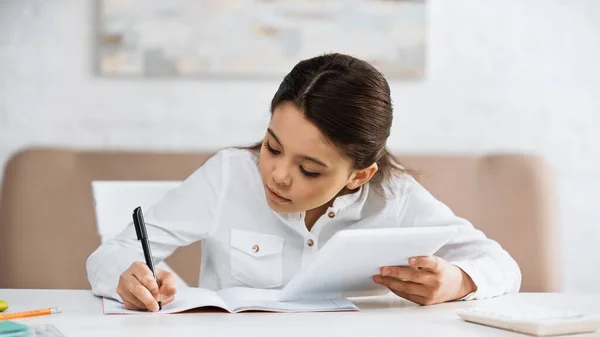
x=503 y=75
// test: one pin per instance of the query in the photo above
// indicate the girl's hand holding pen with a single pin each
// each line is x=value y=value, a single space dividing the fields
x=139 y=290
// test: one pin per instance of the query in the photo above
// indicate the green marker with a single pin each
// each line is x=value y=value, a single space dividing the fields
x=3 y=305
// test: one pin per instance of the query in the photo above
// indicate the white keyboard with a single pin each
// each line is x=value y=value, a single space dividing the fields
x=533 y=320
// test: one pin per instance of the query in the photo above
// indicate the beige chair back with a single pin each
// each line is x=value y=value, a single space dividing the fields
x=48 y=225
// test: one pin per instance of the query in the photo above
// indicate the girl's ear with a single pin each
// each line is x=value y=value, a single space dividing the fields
x=359 y=177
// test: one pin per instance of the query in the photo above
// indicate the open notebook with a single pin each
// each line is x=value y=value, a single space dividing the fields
x=235 y=300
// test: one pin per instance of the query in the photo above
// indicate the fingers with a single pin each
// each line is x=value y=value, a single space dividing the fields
x=132 y=303
x=134 y=294
x=167 y=300
x=135 y=304
x=403 y=286
x=168 y=284
x=138 y=289
x=144 y=295
x=413 y=298
x=143 y=274
x=431 y=263
x=408 y=274
x=428 y=280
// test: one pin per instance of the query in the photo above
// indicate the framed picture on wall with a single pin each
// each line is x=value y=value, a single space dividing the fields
x=256 y=38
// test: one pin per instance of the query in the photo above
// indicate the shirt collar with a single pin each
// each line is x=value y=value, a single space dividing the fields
x=356 y=198
x=351 y=203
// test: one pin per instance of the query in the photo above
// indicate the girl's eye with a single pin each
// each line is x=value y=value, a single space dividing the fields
x=309 y=174
x=305 y=172
x=270 y=149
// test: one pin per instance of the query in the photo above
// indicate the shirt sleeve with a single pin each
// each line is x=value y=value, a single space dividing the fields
x=491 y=268
x=186 y=214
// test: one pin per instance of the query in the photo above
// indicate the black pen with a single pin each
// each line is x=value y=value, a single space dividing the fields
x=142 y=235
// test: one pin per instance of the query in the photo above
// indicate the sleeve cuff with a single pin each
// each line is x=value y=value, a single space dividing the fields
x=468 y=267
x=104 y=272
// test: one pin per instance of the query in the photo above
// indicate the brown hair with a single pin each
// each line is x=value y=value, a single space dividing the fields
x=349 y=101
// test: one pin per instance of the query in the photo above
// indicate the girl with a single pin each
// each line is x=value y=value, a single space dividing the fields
x=263 y=212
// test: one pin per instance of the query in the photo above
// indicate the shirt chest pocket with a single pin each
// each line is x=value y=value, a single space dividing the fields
x=256 y=258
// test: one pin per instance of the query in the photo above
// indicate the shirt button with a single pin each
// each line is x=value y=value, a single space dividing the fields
x=255 y=248
x=331 y=214
x=310 y=242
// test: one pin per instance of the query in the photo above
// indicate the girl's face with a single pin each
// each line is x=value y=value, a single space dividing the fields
x=300 y=171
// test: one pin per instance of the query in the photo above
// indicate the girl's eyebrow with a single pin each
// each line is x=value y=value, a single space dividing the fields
x=304 y=157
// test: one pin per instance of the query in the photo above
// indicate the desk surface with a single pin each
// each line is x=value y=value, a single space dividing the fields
x=389 y=315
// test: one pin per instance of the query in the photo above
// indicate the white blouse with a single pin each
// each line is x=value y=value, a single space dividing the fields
x=223 y=203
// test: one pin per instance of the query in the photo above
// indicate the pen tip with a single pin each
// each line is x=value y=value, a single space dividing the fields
x=159 y=305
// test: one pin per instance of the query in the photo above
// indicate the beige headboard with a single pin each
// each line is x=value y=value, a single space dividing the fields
x=48 y=229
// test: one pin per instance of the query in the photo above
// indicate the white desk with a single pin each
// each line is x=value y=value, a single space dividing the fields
x=383 y=316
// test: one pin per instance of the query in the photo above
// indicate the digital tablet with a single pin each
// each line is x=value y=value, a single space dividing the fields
x=345 y=266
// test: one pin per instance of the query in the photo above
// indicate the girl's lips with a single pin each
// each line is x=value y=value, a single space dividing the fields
x=275 y=196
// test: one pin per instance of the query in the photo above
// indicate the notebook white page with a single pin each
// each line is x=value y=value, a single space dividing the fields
x=234 y=300
x=186 y=298
x=247 y=299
